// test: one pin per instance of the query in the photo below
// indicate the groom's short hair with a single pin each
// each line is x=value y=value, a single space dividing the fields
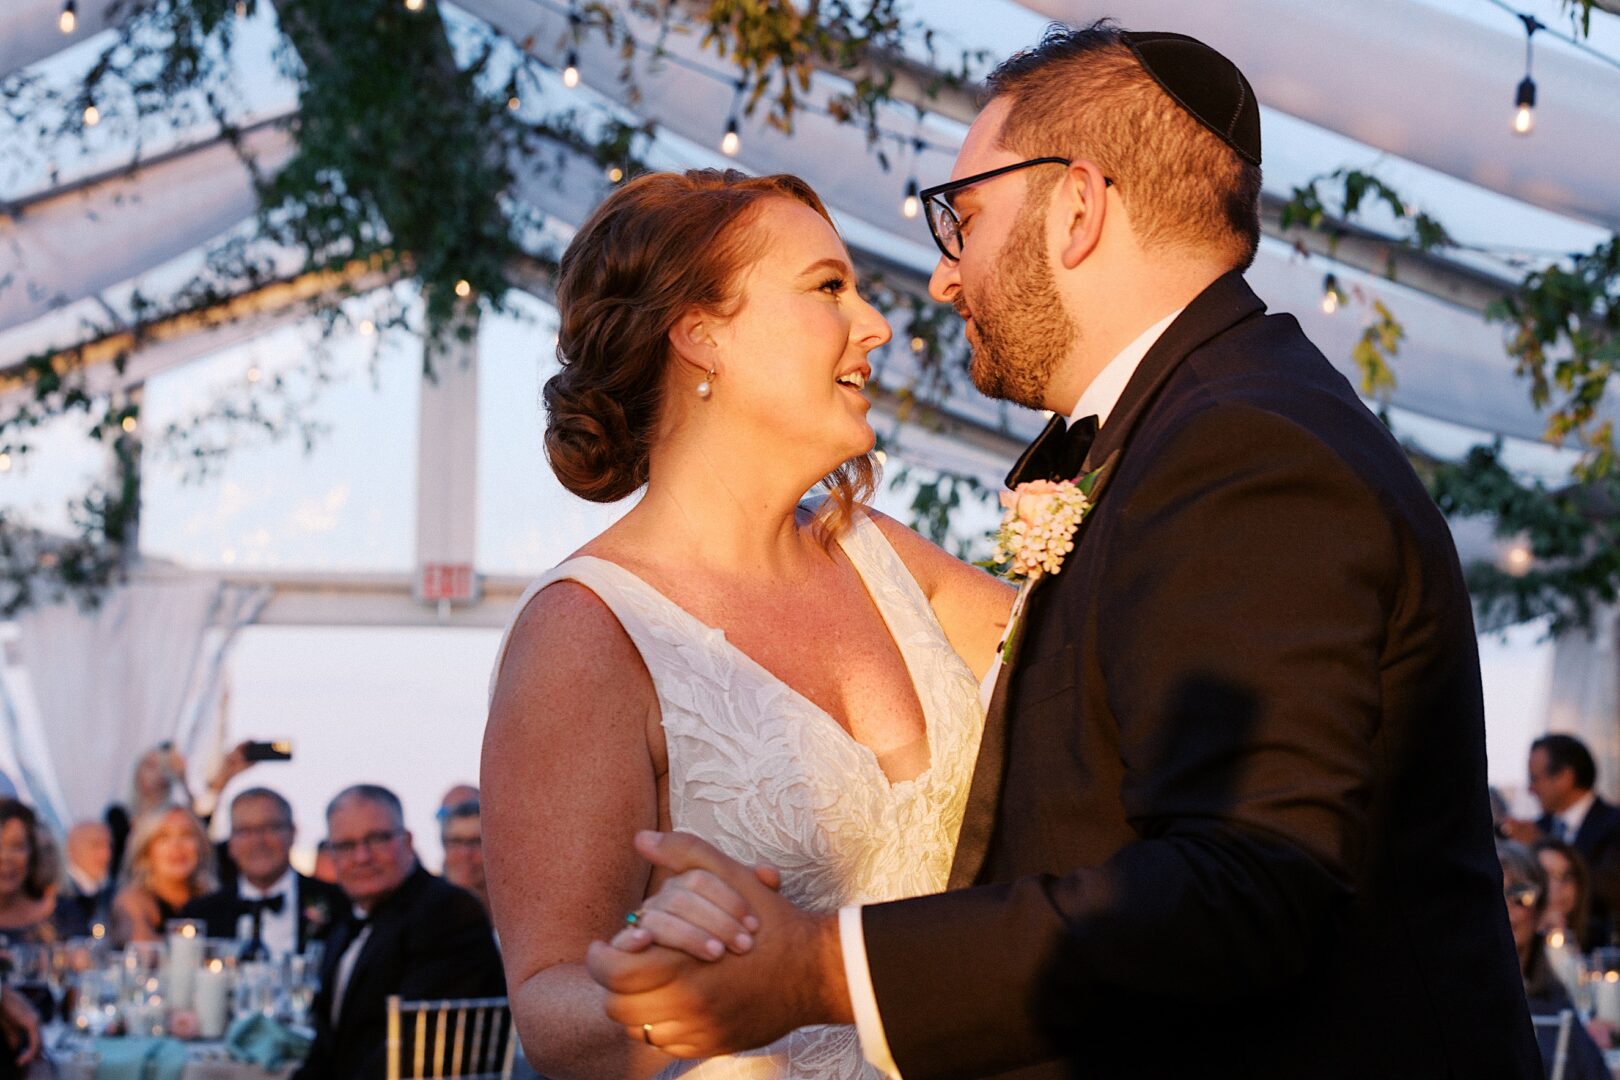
x=1082 y=93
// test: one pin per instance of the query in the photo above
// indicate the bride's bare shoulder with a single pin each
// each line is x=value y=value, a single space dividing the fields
x=567 y=643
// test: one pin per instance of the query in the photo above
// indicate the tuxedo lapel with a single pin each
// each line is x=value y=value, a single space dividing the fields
x=1227 y=301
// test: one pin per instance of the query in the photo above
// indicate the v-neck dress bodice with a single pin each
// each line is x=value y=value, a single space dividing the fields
x=765 y=775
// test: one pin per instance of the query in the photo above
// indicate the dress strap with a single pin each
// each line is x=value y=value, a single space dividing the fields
x=659 y=629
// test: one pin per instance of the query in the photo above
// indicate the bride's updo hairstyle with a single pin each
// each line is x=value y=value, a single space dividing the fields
x=658 y=247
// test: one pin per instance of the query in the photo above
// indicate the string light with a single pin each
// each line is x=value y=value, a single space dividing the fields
x=254 y=374
x=571 y=69
x=129 y=424
x=614 y=174
x=912 y=205
x=514 y=103
x=1518 y=558
x=413 y=5
x=731 y=142
x=367 y=327
x=92 y=116
x=463 y=288
x=68 y=21
x=5 y=462
x=1524 y=99
x=1330 y=294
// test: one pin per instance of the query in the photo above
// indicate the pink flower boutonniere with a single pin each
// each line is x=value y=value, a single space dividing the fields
x=1037 y=533
x=317 y=915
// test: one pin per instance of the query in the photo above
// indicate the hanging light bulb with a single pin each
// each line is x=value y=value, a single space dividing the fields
x=68 y=21
x=912 y=205
x=129 y=424
x=731 y=142
x=1524 y=116
x=463 y=288
x=1330 y=295
x=92 y=116
x=514 y=103
x=614 y=174
x=367 y=327
x=413 y=5
x=5 y=462
x=1524 y=98
x=571 y=69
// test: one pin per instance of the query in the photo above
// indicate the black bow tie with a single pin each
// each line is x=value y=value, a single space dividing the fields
x=1058 y=453
x=273 y=904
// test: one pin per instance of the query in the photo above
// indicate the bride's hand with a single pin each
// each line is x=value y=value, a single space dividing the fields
x=695 y=913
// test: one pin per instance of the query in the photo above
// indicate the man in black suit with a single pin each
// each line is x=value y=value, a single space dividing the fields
x=270 y=907
x=86 y=897
x=1229 y=816
x=1562 y=776
x=415 y=935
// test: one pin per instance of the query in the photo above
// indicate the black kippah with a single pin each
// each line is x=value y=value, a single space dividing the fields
x=1206 y=84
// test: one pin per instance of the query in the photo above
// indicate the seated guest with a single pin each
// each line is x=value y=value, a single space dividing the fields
x=1562 y=778
x=170 y=864
x=19 y=1035
x=27 y=875
x=281 y=909
x=461 y=834
x=1569 y=893
x=1524 y=887
x=85 y=900
x=414 y=935
x=159 y=780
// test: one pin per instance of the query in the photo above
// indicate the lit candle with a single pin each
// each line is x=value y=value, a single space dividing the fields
x=185 y=957
x=1607 y=998
x=212 y=999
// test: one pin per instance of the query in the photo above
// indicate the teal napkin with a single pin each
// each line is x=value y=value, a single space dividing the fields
x=141 y=1059
x=265 y=1042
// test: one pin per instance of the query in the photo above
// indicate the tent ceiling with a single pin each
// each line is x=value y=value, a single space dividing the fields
x=74 y=245
x=1417 y=82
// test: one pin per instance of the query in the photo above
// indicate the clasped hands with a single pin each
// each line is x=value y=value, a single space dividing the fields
x=718 y=961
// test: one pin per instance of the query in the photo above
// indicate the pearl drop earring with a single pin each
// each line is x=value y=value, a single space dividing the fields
x=706 y=387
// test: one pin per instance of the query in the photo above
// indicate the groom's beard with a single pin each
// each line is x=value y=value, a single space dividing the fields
x=1022 y=332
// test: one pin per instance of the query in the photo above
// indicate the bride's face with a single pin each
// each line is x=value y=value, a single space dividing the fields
x=793 y=357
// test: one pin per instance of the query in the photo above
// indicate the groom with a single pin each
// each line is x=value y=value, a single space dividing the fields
x=1229 y=817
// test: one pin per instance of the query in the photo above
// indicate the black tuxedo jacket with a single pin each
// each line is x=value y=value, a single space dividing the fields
x=1229 y=817
x=429 y=939
x=321 y=907
x=1598 y=841
x=77 y=912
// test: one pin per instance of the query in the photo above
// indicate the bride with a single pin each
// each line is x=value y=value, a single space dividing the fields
x=797 y=683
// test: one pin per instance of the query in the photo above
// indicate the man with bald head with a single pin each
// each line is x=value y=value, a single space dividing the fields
x=413 y=934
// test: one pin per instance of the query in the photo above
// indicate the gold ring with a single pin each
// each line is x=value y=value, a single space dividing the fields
x=646 y=1034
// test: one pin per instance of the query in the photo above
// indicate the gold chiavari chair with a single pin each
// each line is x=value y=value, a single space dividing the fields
x=450 y=1039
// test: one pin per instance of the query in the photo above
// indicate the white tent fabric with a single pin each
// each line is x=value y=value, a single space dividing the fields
x=141 y=668
x=1396 y=74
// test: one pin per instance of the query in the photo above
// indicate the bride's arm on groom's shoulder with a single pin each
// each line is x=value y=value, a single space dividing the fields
x=971 y=604
x=568 y=776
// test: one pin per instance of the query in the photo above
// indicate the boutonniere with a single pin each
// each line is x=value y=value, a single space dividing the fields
x=317 y=914
x=1036 y=534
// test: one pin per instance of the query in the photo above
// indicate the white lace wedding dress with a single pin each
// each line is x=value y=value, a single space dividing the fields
x=766 y=776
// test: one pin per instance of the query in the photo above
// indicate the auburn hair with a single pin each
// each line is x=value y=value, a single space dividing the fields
x=658 y=247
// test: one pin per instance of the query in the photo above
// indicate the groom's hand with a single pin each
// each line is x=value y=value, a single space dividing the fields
x=793 y=975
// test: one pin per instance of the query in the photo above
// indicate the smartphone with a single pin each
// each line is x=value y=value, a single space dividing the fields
x=279 y=750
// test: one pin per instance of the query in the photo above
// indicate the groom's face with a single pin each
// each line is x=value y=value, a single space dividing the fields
x=1004 y=285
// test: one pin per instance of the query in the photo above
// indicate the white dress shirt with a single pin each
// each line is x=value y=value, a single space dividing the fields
x=1098 y=399
x=1573 y=818
x=278 y=930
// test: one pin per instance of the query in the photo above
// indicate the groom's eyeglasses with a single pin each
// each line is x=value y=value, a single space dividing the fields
x=942 y=220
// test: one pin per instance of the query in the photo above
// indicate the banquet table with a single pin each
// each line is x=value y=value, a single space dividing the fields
x=74 y=1059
